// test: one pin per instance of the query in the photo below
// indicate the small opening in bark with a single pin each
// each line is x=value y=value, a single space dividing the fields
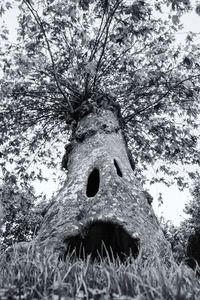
x=103 y=239
x=119 y=172
x=93 y=183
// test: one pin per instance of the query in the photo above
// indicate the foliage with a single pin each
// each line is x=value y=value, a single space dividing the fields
x=42 y=277
x=177 y=237
x=193 y=207
x=69 y=53
x=21 y=216
x=192 y=224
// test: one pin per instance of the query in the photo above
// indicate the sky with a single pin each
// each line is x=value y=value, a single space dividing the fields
x=173 y=200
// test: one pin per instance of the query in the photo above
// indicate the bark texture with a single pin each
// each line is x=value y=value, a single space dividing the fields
x=101 y=199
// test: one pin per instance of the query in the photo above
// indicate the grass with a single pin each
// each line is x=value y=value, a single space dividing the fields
x=31 y=276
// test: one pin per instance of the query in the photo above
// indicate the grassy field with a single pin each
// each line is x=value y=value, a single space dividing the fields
x=31 y=276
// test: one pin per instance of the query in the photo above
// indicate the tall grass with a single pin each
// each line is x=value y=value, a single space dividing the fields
x=37 y=276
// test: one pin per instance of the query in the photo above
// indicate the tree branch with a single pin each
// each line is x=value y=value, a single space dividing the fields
x=38 y=21
x=107 y=27
x=128 y=118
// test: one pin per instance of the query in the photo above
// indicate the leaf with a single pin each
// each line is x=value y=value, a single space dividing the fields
x=160 y=200
x=3 y=37
x=187 y=61
x=2 y=10
x=197 y=9
x=175 y=19
x=91 y=68
x=8 y=5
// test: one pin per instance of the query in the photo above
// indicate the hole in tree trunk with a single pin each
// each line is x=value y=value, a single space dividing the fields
x=103 y=239
x=119 y=172
x=93 y=183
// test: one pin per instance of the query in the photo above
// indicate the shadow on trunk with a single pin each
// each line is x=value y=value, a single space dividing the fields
x=103 y=239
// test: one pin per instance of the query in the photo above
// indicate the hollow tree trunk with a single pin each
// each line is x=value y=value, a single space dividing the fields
x=101 y=199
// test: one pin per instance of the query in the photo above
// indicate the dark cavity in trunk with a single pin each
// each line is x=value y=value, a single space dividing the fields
x=103 y=239
x=93 y=183
x=119 y=172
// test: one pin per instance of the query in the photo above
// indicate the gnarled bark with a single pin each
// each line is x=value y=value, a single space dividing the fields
x=101 y=199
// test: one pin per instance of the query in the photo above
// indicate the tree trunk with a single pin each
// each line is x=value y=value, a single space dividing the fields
x=102 y=209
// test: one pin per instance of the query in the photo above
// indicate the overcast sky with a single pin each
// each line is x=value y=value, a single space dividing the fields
x=174 y=200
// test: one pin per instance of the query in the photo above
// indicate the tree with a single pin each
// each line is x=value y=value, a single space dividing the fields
x=106 y=76
x=178 y=238
x=193 y=207
x=21 y=217
x=185 y=239
x=22 y=212
x=192 y=226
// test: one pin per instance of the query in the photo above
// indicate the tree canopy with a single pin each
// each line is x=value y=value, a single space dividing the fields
x=70 y=53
